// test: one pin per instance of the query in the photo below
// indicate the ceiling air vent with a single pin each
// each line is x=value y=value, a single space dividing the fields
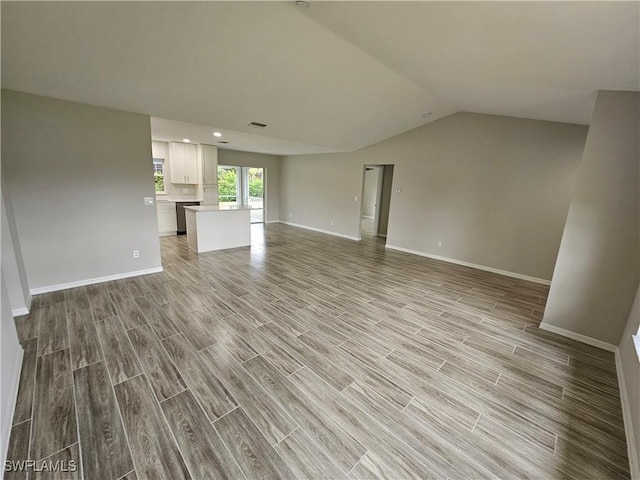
x=222 y=141
x=257 y=125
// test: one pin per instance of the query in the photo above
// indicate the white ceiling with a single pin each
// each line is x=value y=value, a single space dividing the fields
x=169 y=130
x=335 y=76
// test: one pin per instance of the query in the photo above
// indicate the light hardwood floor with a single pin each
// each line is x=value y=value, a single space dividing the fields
x=310 y=356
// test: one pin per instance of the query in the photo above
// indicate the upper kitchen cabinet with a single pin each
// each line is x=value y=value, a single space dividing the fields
x=210 y=164
x=184 y=163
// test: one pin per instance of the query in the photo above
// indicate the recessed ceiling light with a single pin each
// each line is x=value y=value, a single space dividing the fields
x=186 y=140
x=427 y=115
x=302 y=4
x=217 y=134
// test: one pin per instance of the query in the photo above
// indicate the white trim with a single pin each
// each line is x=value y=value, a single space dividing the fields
x=367 y=216
x=632 y=446
x=272 y=221
x=167 y=233
x=383 y=235
x=472 y=265
x=579 y=337
x=91 y=281
x=11 y=407
x=321 y=231
x=16 y=312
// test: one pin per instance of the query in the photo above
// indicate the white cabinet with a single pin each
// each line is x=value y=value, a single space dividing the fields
x=184 y=163
x=209 y=174
x=210 y=164
x=167 y=222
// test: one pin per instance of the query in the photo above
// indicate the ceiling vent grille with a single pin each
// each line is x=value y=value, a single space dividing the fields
x=257 y=125
x=223 y=141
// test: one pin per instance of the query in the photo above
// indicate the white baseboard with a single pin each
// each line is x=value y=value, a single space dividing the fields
x=7 y=420
x=367 y=216
x=579 y=337
x=383 y=235
x=167 y=234
x=632 y=445
x=272 y=221
x=16 y=312
x=335 y=234
x=506 y=273
x=91 y=281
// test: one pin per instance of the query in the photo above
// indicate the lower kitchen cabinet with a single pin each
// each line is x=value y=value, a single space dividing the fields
x=167 y=223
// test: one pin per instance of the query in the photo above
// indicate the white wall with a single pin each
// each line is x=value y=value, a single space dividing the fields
x=11 y=361
x=271 y=163
x=495 y=190
x=598 y=268
x=369 y=195
x=77 y=177
x=629 y=366
x=12 y=262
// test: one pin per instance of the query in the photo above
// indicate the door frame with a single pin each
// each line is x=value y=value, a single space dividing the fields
x=376 y=214
x=242 y=186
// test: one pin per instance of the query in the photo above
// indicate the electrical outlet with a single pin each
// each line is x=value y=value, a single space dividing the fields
x=356 y=198
x=148 y=200
x=332 y=223
x=291 y=215
x=439 y=243
x=136 y=254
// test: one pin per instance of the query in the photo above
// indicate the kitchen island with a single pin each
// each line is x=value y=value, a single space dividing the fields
x=214 y=227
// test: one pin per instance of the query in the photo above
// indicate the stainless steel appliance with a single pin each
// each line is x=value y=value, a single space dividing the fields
x=182 y=222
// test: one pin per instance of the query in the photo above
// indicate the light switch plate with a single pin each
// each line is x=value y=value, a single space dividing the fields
x=148 y=200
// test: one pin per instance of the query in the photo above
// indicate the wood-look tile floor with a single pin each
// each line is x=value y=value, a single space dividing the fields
x=309 y=356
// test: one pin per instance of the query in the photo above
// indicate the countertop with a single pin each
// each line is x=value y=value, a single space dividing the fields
x=218 y=208
x=175 y=200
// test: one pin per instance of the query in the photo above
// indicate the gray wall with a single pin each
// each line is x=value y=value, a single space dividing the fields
x=272 y=174
x=317 y=190
x=597 y=272
x=495 y=190
x=77 y=175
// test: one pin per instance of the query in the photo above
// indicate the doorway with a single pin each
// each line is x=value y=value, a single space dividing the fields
x=242 y=186
x=376 y=199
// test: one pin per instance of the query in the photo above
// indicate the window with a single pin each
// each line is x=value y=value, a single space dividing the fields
x=242 y=186
x=158 y=174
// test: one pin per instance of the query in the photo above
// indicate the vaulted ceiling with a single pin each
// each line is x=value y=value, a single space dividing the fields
x=331 y=77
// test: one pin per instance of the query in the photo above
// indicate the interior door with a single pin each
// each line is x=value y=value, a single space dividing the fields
x=376 y=215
